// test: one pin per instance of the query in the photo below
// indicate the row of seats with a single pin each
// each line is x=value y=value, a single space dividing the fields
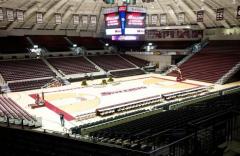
x=77 y=129
x=125 y=73
x=126 y=106
x=184 y=93
x=28 y=85
x=29 y=69
x=8 y=108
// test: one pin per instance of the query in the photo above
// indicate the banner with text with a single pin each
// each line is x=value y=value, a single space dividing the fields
x=10 y=16
x=75 y=19
x=20 y=15
x=200 y=16
x=39 y=17
x=220 y=14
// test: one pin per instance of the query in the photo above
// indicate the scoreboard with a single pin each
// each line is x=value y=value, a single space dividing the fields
x=125 y=20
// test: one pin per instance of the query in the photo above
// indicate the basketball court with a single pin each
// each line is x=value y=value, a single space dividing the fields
x=74 y=100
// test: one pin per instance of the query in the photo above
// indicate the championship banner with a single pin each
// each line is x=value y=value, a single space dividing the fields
x=58 y=18
x=10 y=16
x=154 y=19
x=85 y=20
x=200 y=16
x=75 y=19
x=220 y=13
x=1 y=14
x=238 y=12
x=20 y=16
x=39 y=17
x=181 y=18
x=93 y=20
x=163 y=19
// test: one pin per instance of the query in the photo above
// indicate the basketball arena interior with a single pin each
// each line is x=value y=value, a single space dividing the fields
x=120 y=77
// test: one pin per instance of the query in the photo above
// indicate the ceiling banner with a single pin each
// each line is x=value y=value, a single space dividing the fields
x=93 y=20
x=20 y=15
x=1 y=14
x=75 y=19
x=200 y=16
x=58 y=18
x=220 y=14
x=154 y=19
x=163 y=19
x=39 y=17
x=181 y=18
x=84 y=19
x=238 y=12
x=10 y=16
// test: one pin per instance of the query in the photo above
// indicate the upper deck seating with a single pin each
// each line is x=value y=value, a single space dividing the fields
x=14 y=44
x=51 y=43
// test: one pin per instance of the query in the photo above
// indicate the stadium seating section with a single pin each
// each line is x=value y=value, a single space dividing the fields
x=21 y=45
x=136 y=133
x=51 y=43
x=9 y=109
x=28 y=85
x=110 y=62
x=24 y=69
x=72 y=65
x=88 y=43
x=210 y=64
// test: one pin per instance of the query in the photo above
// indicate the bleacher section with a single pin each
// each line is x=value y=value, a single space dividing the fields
x=110 y=62
x=210 y=64
x=72 y=65
x=140 y=134
x=124 y=73
x=21 y=44
x=51 y=43
x=12 y=112
x=137 y=61
x=28 y=85
x=88 y=43
x=24 y=69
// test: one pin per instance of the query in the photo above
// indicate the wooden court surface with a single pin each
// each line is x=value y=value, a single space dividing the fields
x=84 y=104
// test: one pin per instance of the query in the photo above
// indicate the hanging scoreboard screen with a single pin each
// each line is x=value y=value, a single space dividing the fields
x=112 y=22
x=125 y=20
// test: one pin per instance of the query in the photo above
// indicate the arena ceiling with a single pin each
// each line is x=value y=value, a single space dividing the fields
x=94 y=8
